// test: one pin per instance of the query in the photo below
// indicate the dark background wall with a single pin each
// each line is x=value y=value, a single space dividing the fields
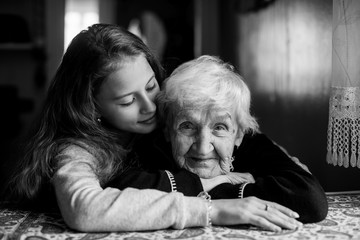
x=282 y=48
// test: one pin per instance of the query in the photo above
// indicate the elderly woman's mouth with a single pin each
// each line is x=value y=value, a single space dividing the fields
x=201 y=159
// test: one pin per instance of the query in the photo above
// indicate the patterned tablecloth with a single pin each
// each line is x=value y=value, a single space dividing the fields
x=342 y=222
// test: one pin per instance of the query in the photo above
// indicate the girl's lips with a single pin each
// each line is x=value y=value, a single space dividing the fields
x=149 y=120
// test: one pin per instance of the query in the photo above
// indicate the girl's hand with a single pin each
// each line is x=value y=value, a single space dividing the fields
x=231 y=177
x=238 y=178
x=252 y=210
x=210 y=183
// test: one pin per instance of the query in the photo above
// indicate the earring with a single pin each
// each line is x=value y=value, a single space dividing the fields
x=228 y=164
x=231 y=167
x=99 y=119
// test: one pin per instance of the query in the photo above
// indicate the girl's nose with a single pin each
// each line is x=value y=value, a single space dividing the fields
x=148 y=105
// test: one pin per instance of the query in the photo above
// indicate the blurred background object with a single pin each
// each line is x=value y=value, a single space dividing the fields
x=282 y=48
x=344 y=111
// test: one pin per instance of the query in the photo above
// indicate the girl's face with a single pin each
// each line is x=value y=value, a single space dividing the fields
x=126 y=97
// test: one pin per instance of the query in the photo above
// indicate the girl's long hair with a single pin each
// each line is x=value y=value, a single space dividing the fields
x=69 y=112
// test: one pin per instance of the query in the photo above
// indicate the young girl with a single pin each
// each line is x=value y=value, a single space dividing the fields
x=100 y=102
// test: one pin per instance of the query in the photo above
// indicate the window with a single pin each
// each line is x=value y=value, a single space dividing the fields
x=79 y=14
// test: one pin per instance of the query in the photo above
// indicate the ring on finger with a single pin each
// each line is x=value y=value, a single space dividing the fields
x=267 y=207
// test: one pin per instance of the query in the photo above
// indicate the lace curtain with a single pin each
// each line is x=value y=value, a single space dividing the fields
x=343 y=147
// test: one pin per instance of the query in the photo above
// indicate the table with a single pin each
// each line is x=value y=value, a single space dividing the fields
x=342 y=222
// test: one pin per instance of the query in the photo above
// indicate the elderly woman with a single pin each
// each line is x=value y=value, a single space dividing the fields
x=209 y=131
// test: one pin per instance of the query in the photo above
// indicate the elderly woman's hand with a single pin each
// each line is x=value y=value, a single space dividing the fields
x=231 y=177
x=252 y=210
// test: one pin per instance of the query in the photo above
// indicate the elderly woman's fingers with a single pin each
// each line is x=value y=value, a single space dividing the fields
x=281 y=208
x=264 y=223
x=277 y=214
x=252 y=210
x=277 y=218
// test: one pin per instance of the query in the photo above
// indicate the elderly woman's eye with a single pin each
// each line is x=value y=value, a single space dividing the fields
x=221 y=127
x=186 y=126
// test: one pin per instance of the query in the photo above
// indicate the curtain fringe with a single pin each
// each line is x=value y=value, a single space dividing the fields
x=343 y=146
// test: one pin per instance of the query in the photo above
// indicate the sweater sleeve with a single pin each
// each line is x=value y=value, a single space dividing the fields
x=86 y=206
x=183 y=181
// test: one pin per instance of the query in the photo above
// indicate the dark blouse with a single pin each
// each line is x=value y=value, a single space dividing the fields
x=277 y=177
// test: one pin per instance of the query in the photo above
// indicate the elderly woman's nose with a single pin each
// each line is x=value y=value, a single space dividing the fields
x=203 y=143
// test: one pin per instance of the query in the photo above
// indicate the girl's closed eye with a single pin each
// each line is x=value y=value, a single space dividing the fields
x=127 y=102
x=151 y=85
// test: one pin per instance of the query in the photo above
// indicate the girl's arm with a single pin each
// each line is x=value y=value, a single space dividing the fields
x=86 y=206
x=168 y=181
x=179 y=180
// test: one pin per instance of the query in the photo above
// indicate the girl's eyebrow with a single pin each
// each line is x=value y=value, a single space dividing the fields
x=127 y=94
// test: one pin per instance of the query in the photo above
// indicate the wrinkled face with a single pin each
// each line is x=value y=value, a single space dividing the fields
x=203 y=140
x=126 y=97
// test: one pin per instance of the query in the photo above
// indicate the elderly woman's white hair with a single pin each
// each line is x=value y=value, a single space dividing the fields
x=206 y=82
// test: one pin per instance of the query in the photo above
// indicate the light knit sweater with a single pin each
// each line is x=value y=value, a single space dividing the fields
x=86 y=206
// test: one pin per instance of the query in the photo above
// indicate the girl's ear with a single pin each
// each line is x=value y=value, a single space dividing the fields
x=239 y=137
